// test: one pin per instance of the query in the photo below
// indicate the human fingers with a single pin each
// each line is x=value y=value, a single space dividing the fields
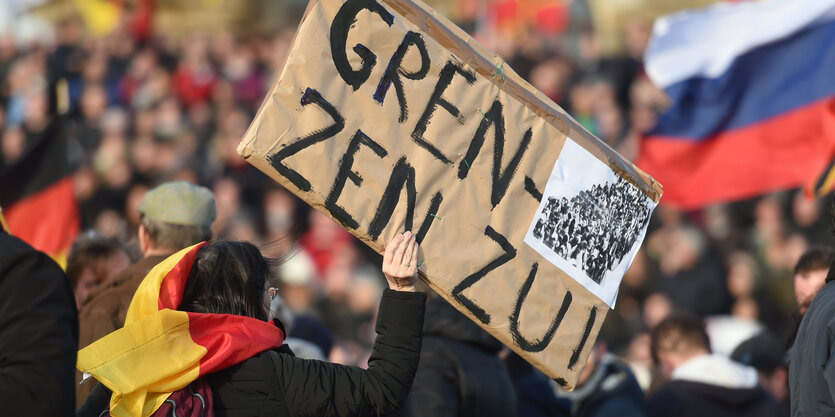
x=397 y=258
x=409 y=259
x=391 y=248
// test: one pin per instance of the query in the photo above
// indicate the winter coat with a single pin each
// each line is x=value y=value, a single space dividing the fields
x=812 y=357
x=276 y=383
x=713 y=385
x=104 y=311
x=535 y=396
x=38 y=333
x=610 y=390
x=460 y=373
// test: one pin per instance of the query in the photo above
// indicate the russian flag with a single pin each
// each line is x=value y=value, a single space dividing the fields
x=752 y=87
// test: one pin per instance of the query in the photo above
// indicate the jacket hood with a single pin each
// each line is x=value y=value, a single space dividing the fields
x=442 y=319
x=611 y=382
x=717 y=370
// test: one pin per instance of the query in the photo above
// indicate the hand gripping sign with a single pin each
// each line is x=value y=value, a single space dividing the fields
x=387 y=117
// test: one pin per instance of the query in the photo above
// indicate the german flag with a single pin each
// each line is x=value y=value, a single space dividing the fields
x=37 y=196
x=161 y=350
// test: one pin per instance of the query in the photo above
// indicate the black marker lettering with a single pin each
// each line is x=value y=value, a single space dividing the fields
x=340 y=26
x=444 y=80
x=509 y=253
x=394 y=70
x=501 y=180
x=541 y=344
x=575 y=356
x=402 y=175
x=530 y=187
x=434 y=205
x=346 y=172
x=276 y=160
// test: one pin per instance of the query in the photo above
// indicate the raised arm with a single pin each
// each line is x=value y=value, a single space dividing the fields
x=315 y=388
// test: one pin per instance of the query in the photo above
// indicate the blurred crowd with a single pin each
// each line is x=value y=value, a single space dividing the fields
x=143 y=111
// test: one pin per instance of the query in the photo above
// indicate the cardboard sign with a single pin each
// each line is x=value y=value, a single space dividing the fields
x=387 y=118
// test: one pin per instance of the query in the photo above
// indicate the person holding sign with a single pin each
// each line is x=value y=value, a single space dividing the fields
x=224 y=302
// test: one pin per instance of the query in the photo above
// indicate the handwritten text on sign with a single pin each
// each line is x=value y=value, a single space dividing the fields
x=387 y=118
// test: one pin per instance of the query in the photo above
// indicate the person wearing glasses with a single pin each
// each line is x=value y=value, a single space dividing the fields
x=231 y=278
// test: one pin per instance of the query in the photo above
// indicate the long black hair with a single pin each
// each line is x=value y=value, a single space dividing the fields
x=227 y=278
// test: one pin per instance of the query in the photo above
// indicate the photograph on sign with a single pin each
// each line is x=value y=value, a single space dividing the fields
x=590 y=222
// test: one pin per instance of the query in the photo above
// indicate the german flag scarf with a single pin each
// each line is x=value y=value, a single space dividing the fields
x=161 y=350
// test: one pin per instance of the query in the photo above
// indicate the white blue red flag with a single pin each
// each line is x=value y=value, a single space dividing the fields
x=752 y=86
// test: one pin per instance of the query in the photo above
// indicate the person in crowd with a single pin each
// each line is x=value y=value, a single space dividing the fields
x=606 y=387
x=700 y=383
x=460 y=372
x=173 y=216
x=535 y=396
x=231 y=278
x=810 y=275
x=93 y=260
x=811 y=372
x=765 y=353
x=148 y=108
x=38 y=333
x=305 y=335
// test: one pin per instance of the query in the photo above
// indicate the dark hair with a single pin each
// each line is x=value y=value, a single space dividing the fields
x=90 y=248
x=815 y=258
x=679 y=332
x=227 y=278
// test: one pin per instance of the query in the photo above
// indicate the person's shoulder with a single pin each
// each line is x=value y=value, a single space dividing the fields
x=822 y=310
x=669 y=400
x=23 y=267
x=667 y=394
x=11 y=246
x=123 y=284
x=269 y=355
x=669 y=388
x=260 y=367
x=107 y=304
x=104 y=302
x=13 y=249
x=828 y=293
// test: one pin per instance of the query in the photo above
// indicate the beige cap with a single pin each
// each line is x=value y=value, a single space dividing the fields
x=181 y=203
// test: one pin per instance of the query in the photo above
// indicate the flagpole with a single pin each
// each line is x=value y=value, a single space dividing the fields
x=3 y=223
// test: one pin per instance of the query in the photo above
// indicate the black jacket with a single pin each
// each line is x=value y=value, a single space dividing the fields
x=38 y=333
x=812 y=357
x=460 y=373
x=535 y=396
x=696 y=399
x=276 y=383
